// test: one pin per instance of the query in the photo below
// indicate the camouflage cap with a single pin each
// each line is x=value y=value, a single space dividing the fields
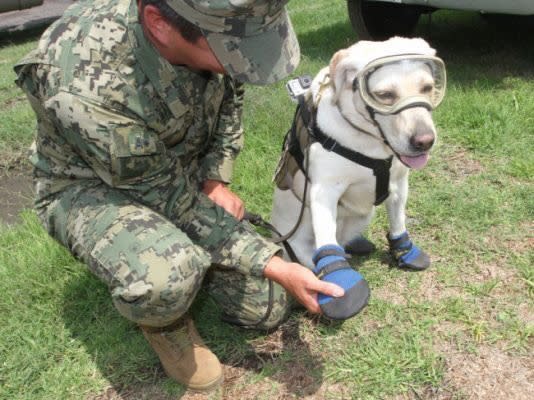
x=253 y=39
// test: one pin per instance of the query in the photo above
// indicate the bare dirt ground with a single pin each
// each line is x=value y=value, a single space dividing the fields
x=16 y=192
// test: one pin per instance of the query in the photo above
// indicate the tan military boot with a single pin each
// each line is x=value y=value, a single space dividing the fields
x=184 y=355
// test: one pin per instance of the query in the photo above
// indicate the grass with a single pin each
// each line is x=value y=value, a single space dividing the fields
x=17 y=127
x=471 y=209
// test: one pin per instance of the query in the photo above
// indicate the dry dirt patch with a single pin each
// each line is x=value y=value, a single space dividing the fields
x=430 y=289
x=522 y=244
x=16 y=192
x=460 y=165
x=490 y=374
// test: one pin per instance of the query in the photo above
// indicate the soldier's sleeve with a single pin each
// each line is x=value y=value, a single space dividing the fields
x=227 y=139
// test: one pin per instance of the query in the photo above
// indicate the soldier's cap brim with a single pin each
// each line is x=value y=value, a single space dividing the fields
x=260 y=58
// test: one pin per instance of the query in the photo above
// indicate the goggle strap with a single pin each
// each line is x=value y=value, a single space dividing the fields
x=423 y=104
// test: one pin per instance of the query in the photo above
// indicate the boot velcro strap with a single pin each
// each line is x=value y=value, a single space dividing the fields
x=398 y=253
x=335 y=266
x=401 y=245
x=401 y=242
x=329 y=251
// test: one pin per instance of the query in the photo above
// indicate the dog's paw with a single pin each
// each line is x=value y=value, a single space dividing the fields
x=406 y=254
x=331 y=266
x=359 y=246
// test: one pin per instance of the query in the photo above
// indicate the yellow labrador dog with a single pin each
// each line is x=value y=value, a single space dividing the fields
x=362 y=125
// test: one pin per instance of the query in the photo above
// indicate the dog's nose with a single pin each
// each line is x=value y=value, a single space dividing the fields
x=422 y=141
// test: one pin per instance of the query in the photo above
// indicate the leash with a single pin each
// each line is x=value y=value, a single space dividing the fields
x=257 y=220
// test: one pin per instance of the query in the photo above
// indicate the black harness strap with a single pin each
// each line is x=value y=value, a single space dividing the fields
x=294 y=145
x=380 y=167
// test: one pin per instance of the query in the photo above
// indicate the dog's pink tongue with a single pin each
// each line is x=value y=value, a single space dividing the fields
x=415 y=162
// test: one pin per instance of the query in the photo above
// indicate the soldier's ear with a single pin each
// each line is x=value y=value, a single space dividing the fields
x=157 y=26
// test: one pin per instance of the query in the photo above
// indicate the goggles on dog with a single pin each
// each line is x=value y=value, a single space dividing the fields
x=386 y=98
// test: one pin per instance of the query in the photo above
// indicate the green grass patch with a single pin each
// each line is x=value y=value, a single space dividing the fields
x=17 y=125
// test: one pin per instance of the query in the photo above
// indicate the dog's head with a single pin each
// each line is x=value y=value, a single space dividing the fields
x=399 y=81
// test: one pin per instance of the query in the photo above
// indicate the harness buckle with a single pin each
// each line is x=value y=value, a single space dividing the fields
x=329 y=144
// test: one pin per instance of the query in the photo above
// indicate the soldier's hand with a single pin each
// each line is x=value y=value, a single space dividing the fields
x=219 y=193
x=300 y=282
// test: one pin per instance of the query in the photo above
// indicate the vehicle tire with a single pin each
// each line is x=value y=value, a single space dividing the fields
x=380 y=20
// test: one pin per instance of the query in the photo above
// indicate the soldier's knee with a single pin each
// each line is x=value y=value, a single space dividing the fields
x=271 y=314
x=166 y=291
x=279 y=313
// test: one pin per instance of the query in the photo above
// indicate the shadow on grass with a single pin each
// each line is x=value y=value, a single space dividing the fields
x=320 y=44
x=477 y=50
x=482 y=50
x=20 y=37
x=126 y=361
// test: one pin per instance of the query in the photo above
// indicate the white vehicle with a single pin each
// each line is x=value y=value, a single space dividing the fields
x=379 y=19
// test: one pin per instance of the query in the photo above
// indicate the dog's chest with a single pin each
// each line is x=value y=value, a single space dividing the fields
x=358 y=198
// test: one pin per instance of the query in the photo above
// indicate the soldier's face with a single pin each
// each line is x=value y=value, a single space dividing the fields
x=174 y=48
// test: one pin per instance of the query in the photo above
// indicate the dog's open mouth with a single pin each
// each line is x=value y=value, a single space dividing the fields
x=416 y=162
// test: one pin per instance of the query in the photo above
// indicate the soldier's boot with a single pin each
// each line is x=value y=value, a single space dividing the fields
x=184 y=355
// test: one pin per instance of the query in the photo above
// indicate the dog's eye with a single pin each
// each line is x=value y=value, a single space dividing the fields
x=386 y=96
x=427 y=89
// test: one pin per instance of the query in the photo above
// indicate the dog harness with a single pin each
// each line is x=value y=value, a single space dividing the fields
x=304 y=132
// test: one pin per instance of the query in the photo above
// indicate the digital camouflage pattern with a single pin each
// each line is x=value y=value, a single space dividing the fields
x=153 y=268
x=124 y=140
x=253 y=39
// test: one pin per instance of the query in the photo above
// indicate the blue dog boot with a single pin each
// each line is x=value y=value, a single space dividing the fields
x=359 y=246
x=331 y=266
x=407 y=254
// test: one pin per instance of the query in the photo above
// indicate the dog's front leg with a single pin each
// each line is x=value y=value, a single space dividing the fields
x=329 y=258
x=405 y=253
x=324 y=199
x=396 y=205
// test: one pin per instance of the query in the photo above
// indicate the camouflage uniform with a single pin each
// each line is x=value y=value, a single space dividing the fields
x=124 y=142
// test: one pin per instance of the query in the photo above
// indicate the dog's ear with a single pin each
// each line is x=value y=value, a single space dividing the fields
x=423 y=47
x=341 y=71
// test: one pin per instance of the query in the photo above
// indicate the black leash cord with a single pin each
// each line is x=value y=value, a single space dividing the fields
x=257 y=220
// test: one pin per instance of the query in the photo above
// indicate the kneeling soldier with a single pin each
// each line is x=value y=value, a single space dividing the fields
x=139 y=104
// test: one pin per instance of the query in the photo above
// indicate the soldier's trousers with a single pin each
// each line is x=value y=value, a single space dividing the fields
x=154 y=267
